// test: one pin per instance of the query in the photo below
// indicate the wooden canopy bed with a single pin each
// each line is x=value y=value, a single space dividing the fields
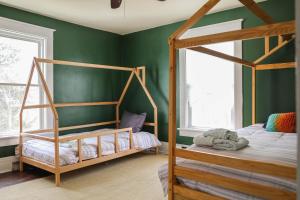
x=285 y=33
x=56 y=139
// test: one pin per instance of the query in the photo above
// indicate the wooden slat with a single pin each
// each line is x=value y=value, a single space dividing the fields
x=39 y=137
x=126 y=88
x=59 y=105
x=45 y=87
x=78 y=64
x=194 y=194
x=94 y=161
x=273 y=169
x=272 y=51
x=260 y=13
x=253 y=84
x=244 y=34
x=86 y=125
x=194 y=19
x=253 y=189
x=267 y=44
x=116 y=141
x=99 y=146
x=36 y=163
x=66 y=138
x=222 y=55
x=79 y=150
x=276 y=66
x=131 y=143
x=172 y=119
x=149 y=124
x=146 y=91
x=40 y=131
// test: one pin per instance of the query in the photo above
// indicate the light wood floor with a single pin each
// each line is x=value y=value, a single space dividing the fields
x=131 y=178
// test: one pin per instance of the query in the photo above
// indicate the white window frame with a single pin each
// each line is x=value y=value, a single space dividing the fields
x=44 y=37
x=185 y=129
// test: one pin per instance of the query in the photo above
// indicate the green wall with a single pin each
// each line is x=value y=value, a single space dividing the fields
x=275 y=92
x=78 y=43
x=275 y=89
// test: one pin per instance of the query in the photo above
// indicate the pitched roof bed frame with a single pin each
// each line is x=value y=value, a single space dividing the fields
x=284 y=31
x=138 y=72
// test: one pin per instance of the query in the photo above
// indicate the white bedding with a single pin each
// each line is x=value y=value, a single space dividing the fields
x=44 y=151
x=265 y=146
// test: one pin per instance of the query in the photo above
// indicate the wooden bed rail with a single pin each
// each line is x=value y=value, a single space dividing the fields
x=138 y=72
x=273 y=169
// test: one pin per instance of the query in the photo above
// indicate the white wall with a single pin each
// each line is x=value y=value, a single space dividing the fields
x=298 y=90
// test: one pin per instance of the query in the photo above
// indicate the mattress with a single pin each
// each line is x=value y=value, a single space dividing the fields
x=44 y=151
x=265 y=146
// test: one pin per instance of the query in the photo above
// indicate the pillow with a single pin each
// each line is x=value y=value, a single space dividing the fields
x=136 y=121
x=282 y=122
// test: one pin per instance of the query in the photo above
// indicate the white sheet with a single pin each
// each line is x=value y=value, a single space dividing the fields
x=44 y=151
x=266 y=146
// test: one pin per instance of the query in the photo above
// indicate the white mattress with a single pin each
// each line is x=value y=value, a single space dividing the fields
x=44 y=150
x=266 y=146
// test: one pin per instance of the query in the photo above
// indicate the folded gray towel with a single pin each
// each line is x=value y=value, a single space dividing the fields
x=230 y=145
x=203 y=141
x=221 y=133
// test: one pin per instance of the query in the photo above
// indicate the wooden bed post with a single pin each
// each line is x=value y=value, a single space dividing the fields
x=253 y=95
x=56 y=129
x=21 y=116
x=172 y=118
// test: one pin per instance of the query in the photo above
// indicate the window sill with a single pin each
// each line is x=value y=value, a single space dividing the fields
x=191 y=132
x=9 y=140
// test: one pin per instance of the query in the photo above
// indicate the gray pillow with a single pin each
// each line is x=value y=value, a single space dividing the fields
x=136 y=121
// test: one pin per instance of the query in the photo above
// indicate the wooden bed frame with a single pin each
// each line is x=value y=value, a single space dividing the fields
x=138 y=72
x=285 y=33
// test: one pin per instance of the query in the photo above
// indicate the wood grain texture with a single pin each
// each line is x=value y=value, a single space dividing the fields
x=172 y=119
x=253 y=189
x=260 y=13
x=273 y=169
x=78 y=64
x=243 y=34
x=272 y=51
x=222 y=55
x=193 y=19
x=276 y=66
x=189 y=194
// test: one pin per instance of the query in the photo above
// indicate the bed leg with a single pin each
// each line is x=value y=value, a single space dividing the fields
x=157 y=150
x=57 y=179
x=21 y=165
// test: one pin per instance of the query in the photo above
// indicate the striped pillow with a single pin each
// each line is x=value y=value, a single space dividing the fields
x=282 y=122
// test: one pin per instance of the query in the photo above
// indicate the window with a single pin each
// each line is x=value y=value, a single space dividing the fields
x=210 y=87
x=19 y=43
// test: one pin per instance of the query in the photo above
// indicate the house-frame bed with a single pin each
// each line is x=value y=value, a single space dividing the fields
x=57 y=169
x=285 y=33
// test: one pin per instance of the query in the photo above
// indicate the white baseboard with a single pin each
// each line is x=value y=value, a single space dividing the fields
x=164 y=147
x=6 y=164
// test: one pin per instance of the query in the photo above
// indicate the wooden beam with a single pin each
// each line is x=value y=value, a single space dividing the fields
x=243 y=34
x=268 y=168
x=78 y=64
x=92 y=134
x=86 y=125
x=272 y=51
x=276 y=66
x=267 y=44
x=39 y=137
x=194 y=19
x=60 y=105
x=172 y=119
x=253 y=89
x=260 y=13
x=222 y=55
x=244 y=186
x=190 y=194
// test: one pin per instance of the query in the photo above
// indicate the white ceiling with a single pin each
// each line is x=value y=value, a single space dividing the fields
x=139 y=14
